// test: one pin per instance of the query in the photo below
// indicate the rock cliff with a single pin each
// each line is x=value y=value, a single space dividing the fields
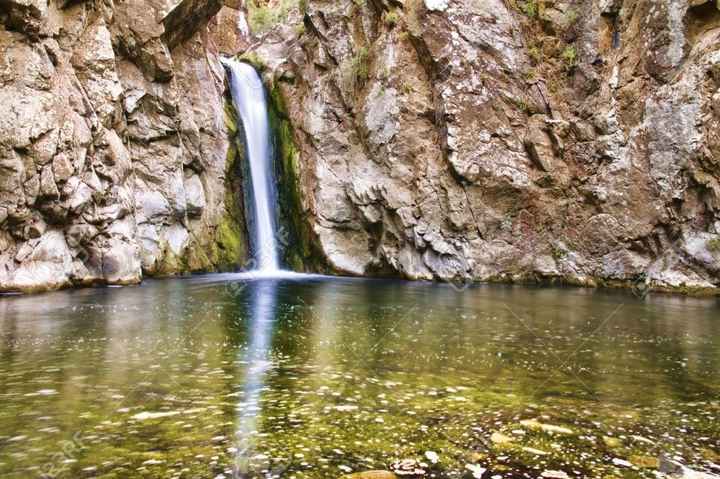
x=116 y=153
x=505 y=140
x=460 y=140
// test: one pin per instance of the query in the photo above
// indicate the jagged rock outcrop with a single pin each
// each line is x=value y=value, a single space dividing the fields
x=502 y=140
x=428 y=139
x=114 y=143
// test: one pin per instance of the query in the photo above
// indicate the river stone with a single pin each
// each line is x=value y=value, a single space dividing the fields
x=645 y=461
x=370 y=475
x=501 y=439
x=409 y=468
x=550 y=474
x=534 y=424
x=678 y=470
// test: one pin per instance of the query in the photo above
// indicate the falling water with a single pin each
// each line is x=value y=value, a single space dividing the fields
x=249 y=98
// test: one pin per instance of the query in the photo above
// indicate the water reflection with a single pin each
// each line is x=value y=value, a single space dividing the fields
x=263 y=295
x=310 y=377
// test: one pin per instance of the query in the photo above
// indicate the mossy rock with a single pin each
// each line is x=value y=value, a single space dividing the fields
x=302 y=253
x=612 y=442
x=645 y=462
x=231 y=247
x=230 y=238
x=253 y=59
x=231 y=120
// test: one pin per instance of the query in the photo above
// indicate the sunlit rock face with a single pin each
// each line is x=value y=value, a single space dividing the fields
x=113 y=142
x=433 y=139
x=464 y=140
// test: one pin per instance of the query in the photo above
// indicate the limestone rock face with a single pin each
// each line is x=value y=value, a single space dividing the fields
x=429 y=139
x=462 y=140
x=113 y=143
x=230 y=31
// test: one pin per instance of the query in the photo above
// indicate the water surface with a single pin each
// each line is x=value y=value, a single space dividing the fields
x=314 y=378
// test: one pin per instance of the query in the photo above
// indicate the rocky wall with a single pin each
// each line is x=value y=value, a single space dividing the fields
x=115 y=144
x=507 y=141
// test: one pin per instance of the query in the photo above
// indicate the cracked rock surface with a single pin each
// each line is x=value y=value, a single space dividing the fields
x=113 y=142
x=480 y=140
x=431 y=139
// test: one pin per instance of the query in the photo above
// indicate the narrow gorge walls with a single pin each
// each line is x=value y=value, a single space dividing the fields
x=117 y=154
x=483 y=140
x=506 y=140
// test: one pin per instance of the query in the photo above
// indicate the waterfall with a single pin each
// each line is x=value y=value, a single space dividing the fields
x=249 y=99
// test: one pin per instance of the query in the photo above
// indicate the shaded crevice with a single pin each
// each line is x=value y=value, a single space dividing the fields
x=301 y=248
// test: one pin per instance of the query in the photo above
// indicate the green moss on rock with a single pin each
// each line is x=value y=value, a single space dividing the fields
x=230 y=119
x=220 y=245
x=253 y=59
x=302 y=252
x=714 y=245
x=231 y=245
x=225 y=248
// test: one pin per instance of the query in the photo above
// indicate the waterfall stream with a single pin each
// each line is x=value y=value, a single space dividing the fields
x=250 y=102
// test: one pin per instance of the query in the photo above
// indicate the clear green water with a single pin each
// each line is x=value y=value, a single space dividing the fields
x=316 y=378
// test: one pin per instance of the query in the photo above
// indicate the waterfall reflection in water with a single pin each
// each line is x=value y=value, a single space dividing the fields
x=337 y=374
x=256 y=360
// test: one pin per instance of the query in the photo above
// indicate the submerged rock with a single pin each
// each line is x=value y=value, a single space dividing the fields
x=501 y=439
x=554 y=475
x=549 y=428
x=476 y=470
x=370 y=475
x=144 y=416
x=409 y=468
x=432 y=456
x=678 y=470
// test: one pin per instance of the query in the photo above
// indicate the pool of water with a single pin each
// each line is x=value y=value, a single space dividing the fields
x=224 y=376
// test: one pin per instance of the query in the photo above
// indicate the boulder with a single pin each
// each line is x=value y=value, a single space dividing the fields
x=47 y=264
